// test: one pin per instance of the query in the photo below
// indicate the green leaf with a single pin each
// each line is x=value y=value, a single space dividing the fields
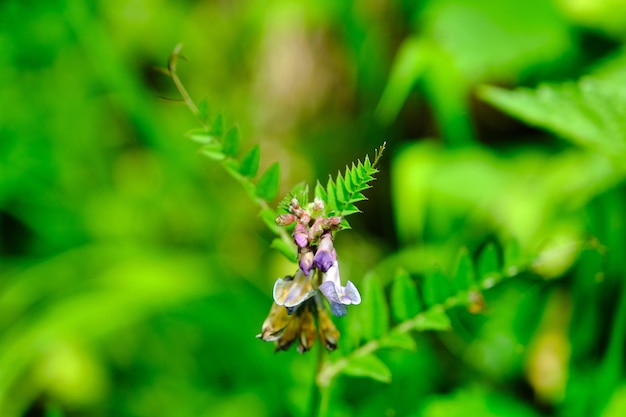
x=250 y=162
x=213 y=151
x=368 y=366
x=320 y=192
x=267 y=187
x=288 y=250
x=342 y=193
x=404 y=301
x=300 y=191
x=203 y=110
x=488 y=264
x=514 y=260
x=331 y=201
x=435 y=288
x=350 y=183
x=202 y=136
x=464 y=275
x=349 y=209
x=589 y=113
x=400 y=340
x=373 y=310
x=433 y=319
x=217 y=127
x=230 y=145
x=410 y=63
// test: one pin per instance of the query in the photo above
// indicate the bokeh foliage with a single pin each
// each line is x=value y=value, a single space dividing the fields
x=135 y=272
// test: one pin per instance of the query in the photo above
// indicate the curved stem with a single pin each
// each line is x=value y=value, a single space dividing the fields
x=171 y=67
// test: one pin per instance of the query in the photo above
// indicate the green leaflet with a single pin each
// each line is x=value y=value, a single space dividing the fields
x=433 y=319
x=464 y=276
x=404 y=301
x=230 y=145
x=368 y=366
x=488 y=264
x=267 y=187
x=396 y=339
x=346 y=189
x=436 y=288
x=250 y=162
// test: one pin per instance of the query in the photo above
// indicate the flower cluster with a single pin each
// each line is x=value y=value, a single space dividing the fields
x=298 y=298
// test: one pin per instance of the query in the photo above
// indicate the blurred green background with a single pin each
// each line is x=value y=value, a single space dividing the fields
x=135 y=273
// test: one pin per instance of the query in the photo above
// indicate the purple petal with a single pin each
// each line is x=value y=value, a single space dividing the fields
x=301 y=239
x=352 y=293
x=330 y=291
x=323 y=260
x=338 y=309
x=306 y=262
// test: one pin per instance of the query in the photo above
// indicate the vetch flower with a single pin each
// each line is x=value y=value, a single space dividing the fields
x=298 y=301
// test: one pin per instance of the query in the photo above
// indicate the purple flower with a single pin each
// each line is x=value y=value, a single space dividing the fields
x=325 y=255
x=338 y=297
x=301 y=235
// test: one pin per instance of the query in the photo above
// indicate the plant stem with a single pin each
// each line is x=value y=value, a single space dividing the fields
x=171 y=66
x=319 y=400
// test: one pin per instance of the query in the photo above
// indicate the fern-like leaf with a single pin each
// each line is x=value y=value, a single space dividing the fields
x=345 y=190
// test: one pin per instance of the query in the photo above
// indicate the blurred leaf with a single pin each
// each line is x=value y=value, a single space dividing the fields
x=464 y=275
x=213 y=151
x=368 y=366
x=404 y=301
x=217 y=127
x=409 y=64
x=514 y=259
x=202 y=136
x=589 y=113
x=203 y=110
x=497 y=40
x=400 y=340
x=433 y=319
x=475 y=402
x=436 y=287
x=54 y=411
x=250 y=162
x=267 y=187
x=488 y=264
x=289 y=251
x=373 y=310
x=230 y=145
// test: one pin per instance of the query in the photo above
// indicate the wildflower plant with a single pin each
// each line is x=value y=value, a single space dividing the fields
x=299 y=299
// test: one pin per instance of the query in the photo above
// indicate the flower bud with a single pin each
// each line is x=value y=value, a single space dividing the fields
x=316 y=230
x=285 y=219
x=305 y=260
x=325 y=255
x=300 y=235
